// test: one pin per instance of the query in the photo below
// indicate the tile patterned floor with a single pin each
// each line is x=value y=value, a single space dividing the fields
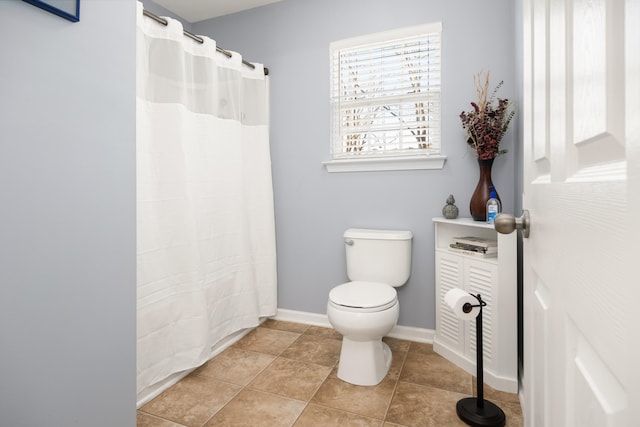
x=284 y=374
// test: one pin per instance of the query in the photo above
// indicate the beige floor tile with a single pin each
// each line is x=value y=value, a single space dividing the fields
x=398 y=358
x=513 y=413
x=416 y=405
x=422 y=348
x=370 y=401
x=268 y=341
x=146 y=420
x=267 y=378
x=291 y=378
x=319 y=331
x=235 y=366
x=192 y=401
x=320 y=416
x=285 y=326
x=435 y=371
x=314 y=349
x=396 y=344
x=252 y=408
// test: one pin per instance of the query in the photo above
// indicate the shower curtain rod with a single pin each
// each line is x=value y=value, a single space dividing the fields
x=198 y=39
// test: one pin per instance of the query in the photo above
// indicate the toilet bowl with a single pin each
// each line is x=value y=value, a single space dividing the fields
x=364 y=358
x=366 y=309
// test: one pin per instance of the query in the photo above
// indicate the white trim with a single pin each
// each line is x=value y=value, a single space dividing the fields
x=408 y=333
x=523 y=402
x=384 y=36
x=385 y=163
x=303 y=317
x=412 y=333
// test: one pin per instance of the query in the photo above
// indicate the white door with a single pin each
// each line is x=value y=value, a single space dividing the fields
x=581 y=295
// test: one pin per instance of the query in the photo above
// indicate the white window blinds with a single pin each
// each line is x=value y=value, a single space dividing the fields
x=385 y=94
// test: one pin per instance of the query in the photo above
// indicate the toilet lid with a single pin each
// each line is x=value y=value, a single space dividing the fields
x=363 y=295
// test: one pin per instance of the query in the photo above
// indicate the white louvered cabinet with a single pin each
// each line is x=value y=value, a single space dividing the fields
x=495 y=279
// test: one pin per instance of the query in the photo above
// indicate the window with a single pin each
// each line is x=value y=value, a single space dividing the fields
x=385 y=101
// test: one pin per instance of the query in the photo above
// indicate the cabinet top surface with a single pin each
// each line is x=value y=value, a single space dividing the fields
x=463 y=221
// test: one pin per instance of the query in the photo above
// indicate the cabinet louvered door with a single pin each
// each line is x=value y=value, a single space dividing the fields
x=480 y=278
x=449 y=270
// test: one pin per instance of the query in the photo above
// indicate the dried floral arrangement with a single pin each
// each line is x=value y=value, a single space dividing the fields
x=487 y=123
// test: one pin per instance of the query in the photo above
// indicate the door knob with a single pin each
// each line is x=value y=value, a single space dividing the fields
x=505 y=223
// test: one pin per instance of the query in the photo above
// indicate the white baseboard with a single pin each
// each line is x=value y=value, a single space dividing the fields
x=408 y=333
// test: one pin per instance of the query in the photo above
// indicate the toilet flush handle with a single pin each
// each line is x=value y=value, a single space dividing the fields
x=348 y=242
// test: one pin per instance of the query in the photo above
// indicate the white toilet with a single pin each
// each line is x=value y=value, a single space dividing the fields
x=366 y=309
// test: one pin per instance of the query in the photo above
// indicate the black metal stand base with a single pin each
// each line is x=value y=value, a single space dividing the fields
x=489 y=415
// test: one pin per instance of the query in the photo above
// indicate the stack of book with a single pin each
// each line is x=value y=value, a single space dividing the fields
x=474 y=246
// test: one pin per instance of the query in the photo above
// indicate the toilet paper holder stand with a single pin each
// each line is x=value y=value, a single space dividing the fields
x=476 y=411
x=468 y=307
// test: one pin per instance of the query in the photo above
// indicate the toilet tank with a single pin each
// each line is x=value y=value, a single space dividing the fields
x=378 y=255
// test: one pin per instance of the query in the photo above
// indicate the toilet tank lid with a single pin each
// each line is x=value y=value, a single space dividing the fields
x=369 y=233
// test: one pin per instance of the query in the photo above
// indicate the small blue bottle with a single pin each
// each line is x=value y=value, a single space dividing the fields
x=493 y=206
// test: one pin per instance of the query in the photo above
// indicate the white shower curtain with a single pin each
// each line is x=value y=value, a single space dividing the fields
x=205 y=226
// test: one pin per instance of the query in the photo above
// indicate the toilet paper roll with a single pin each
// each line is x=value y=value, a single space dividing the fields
x=456 y=299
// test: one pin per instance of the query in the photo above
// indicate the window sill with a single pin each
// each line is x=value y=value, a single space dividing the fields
x=385 y=164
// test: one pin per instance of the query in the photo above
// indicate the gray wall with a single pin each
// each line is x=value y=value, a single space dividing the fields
x=67 y=216
x=313 y=207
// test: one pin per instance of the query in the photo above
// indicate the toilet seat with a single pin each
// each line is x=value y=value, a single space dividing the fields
x=363 y=297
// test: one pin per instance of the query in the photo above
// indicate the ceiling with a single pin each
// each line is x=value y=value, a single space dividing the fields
x=199 y=10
